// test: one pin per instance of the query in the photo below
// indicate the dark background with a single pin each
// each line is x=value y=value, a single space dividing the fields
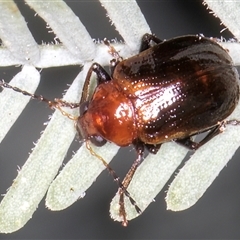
x=216 y=215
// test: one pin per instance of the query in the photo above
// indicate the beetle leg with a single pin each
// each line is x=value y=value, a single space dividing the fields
x=115 y=54
x=146 y=40
x=112 y=51
x=102 y=77
x=190 y=144
x=233 y=122
x=101 y=73
x=153 y=148
x=126 y=181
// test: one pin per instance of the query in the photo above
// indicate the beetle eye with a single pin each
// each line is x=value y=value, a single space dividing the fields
x=83 y=108
x=97 y=140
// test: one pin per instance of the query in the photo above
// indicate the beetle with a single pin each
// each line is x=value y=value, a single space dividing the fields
x=170 y=91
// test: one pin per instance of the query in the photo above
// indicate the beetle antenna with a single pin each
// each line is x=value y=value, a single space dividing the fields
x=3 y=84
x=55 y=104
x=122 y=189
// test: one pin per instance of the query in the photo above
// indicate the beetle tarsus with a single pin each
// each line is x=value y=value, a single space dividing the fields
x=233 y=122
x=146 y=41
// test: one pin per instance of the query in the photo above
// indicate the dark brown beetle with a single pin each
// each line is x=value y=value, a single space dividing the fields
x=170 y=91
